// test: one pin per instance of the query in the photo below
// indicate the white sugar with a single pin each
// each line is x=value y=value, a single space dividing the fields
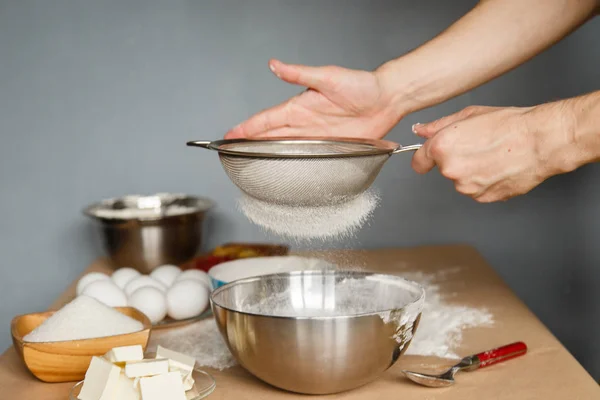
x=83 y=318
x=324 y=222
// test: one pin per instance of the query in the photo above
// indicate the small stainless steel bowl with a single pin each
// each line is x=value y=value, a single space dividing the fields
x=167 y=231
x=314 y=347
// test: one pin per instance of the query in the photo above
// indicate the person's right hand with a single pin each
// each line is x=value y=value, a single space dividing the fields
x=339 y=102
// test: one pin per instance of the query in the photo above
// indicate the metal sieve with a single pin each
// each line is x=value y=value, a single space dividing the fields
x=303 y=171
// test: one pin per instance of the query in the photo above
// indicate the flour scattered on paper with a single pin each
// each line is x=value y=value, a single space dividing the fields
x=442 y=322
x=201 y=340
x=439 y=333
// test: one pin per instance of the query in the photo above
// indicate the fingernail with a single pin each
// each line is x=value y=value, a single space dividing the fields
x=273 y=70
x=414 y=127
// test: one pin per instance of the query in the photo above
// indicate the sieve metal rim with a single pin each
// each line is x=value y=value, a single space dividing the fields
x=379 y=147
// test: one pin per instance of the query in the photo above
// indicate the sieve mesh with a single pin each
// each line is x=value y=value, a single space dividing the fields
x=303 y=172
x=302 y=181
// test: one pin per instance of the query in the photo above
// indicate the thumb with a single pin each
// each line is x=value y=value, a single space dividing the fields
x=429 y=129
x=318 y=78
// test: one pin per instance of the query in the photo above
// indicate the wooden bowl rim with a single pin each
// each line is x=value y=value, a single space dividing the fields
x=139 y=316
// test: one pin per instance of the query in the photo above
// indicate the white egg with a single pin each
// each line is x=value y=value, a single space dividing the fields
x=187 y=299
x=151 y=301
x=195 y=275
x=123 y=276
x=143 y=281
x=89 y=278
x=166 y=274
x=105 y=291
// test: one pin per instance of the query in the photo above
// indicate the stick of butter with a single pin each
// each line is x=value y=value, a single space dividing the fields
x=125 y=389
x=125 y=353
x=186 y=378
x=188 y=381
x=176 y=360
x=143 y=368
x=161 y=387
x=101 y=380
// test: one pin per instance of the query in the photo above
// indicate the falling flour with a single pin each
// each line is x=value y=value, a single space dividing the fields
x=439 y=333
x=324 y=222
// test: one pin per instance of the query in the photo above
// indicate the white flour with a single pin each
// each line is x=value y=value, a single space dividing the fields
x=131 y=213
x=350 y=296
x=442 y=323
x=137 y=206
x=334 y=221
x=439 y=333
x=200 y=340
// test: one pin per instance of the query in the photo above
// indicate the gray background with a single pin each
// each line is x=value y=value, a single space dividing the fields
x=98 y=98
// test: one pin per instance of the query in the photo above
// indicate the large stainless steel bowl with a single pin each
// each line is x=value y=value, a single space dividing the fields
x=153 y=237
x=323 y=336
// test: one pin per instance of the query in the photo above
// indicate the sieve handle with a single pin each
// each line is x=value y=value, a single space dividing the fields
x=200 y=143
x=413 y=147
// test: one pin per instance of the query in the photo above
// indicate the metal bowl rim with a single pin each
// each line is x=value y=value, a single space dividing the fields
x=228 y=285
x=88 y=210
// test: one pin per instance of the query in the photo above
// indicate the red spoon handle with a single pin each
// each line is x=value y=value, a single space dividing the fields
x=501 y=354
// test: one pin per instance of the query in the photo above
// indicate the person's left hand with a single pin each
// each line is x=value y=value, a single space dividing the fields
x=495 y=153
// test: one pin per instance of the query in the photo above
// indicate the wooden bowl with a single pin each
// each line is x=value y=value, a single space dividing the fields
x=67 y=361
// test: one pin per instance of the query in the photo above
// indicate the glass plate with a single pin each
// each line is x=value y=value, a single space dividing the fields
x=204 y=384
x=172 y=323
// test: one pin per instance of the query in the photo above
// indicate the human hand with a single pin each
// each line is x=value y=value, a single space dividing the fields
x=339 y=102
x=496 y=153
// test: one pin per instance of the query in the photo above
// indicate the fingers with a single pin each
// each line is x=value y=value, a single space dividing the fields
x=429 y=129
x=272 y=118
x=433 y=151
x=422 y=162
x=285 y=131
x=319 y=78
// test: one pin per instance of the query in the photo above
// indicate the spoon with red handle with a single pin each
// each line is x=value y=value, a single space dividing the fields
x=470 y=363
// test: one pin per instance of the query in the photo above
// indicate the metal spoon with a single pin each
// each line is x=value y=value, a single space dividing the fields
x=470 y=363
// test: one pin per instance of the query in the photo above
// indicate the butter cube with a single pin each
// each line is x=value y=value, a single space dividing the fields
x=125 y=353
x=125 y=389
x=161 y=387
x=143 y=368
x=176 y=360
x=188 y=381
x=186 y=378
x=101 y=380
